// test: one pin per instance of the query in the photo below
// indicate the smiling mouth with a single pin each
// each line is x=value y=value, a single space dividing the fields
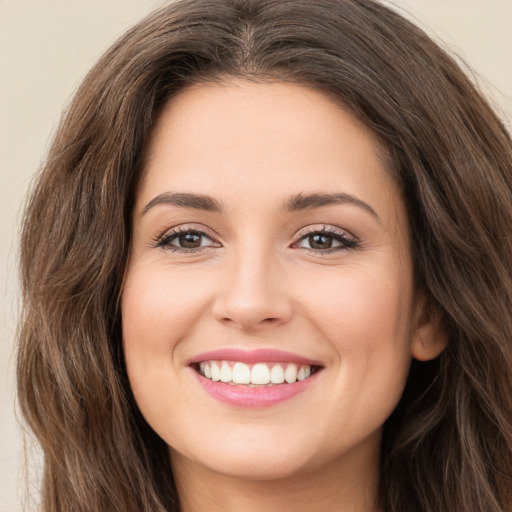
x=237 y=373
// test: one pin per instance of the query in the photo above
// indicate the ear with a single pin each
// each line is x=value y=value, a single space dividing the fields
x=429 y=335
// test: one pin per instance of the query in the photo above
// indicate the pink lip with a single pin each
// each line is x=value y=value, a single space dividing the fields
x=252 y=356
x=250 y=397
x=246 y=396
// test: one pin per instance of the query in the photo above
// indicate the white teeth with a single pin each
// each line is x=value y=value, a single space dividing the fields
x=259 y=374
x=241 y=374
x=226 y=374
x=290 y=374
x=277 y=374
x=215 y=372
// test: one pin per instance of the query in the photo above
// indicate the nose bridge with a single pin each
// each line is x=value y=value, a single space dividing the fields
x=254 y=292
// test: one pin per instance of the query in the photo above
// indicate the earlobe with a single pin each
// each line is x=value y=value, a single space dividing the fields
x=430 y=336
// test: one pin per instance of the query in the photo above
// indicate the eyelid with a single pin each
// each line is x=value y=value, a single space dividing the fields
x=324 y=228
x=348 y=240
x=344 y=237
x=174 y=231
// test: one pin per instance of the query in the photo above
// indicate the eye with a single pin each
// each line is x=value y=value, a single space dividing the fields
x=326 y=240
x=186 y=240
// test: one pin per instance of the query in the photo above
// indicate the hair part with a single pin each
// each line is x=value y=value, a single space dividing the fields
x=448 y=445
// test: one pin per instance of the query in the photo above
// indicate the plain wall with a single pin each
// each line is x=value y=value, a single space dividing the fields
x=46 y=47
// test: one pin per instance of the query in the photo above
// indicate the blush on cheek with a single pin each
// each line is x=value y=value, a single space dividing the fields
x=159 y=309
x=365 y=314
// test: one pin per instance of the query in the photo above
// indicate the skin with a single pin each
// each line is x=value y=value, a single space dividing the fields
x=259 y=281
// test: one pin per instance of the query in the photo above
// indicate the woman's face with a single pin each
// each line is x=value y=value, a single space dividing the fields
x=269 y=243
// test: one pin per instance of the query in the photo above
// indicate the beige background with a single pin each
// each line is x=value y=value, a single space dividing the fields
x=46 y=46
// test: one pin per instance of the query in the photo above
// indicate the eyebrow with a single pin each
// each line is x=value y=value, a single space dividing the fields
x=311 y=201
x=296 y=203
x=195 y=201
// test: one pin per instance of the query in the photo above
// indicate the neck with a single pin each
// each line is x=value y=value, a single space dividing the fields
x=348 y=486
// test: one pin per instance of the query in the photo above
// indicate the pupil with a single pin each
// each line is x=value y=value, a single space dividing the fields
x=320 y=241
x=190 y=240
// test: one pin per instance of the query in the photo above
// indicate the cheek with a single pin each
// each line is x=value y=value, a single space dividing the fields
x=159 y=307
x=351 y=303
x=367 y=319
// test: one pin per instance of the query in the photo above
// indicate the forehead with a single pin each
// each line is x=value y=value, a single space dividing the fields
x=269 y=138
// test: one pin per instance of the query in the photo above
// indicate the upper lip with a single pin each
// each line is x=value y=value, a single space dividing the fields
x=261 y=355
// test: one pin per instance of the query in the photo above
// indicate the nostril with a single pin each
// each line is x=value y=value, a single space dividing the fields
x=248 y=322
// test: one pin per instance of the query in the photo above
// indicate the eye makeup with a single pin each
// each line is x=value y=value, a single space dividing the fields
x=322 y=240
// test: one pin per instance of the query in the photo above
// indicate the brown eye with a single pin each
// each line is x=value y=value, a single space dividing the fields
x=189 y=240
x=326 y=241
x=320 y=241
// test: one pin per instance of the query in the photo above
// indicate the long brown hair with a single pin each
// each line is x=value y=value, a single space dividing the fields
x=448 y=445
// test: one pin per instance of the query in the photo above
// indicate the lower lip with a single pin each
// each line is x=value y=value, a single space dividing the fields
x=250 y=397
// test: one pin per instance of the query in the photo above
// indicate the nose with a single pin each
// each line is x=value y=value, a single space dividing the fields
x=254 y=293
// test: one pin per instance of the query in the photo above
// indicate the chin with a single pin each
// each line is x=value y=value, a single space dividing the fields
x=260 y=467
x=268 y=458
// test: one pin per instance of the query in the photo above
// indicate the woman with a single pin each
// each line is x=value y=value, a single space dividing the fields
x=267 y=266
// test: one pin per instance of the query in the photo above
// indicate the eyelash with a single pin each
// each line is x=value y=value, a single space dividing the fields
x=346 y=241
x=164 y=242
